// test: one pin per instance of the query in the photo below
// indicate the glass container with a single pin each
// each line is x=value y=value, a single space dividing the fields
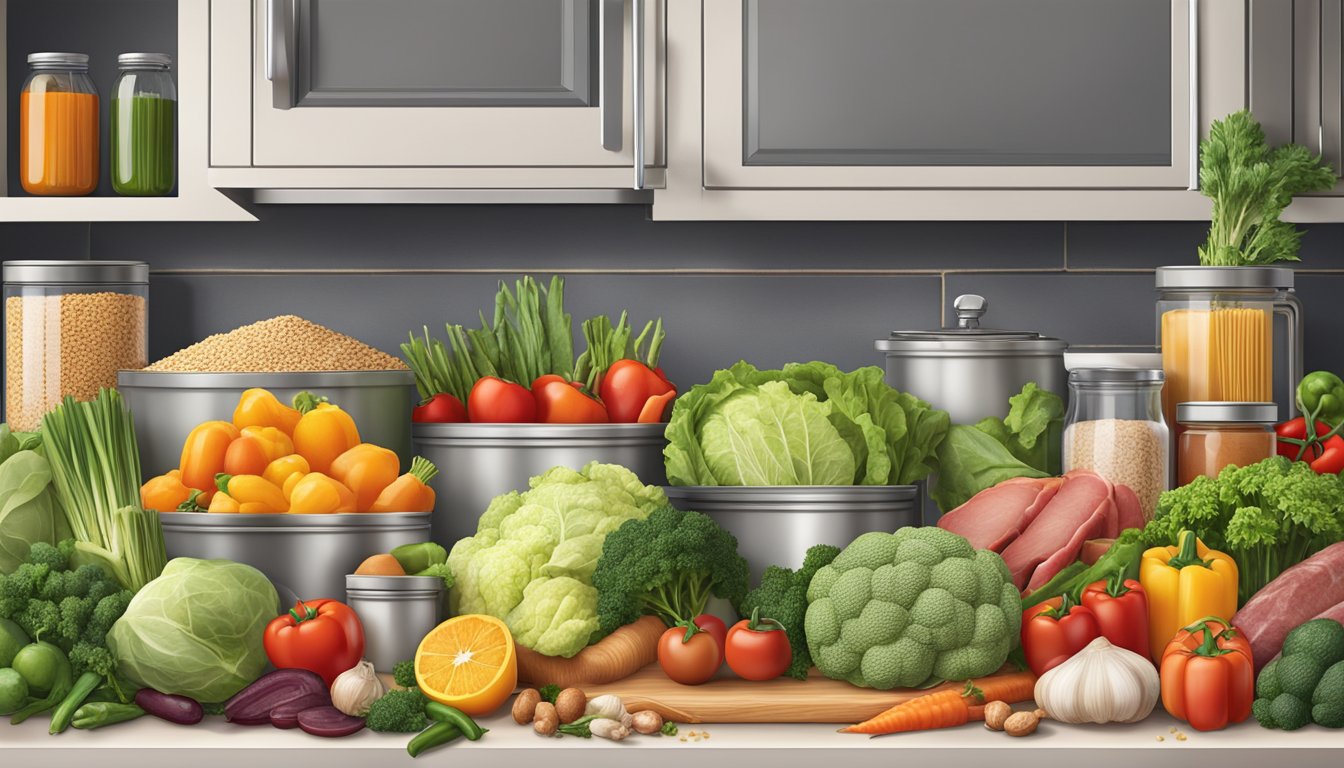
x=1217 y=435
x=69 y=327
x=58 y=126
x=144 y=126
x=1115 y=427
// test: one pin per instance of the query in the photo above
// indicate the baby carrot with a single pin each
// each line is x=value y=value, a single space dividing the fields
x=948 y=709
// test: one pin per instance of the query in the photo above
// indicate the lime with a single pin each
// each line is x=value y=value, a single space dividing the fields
x=40 y=665
x=13 y=691
x=12 y=640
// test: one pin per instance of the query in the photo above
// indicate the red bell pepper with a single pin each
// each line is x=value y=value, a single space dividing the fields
x=1324 y=451
x=322 y=636
x=628 y=385
x=1208 y=677
x=1054 y=631
x=564 y=402
x=1121 y=608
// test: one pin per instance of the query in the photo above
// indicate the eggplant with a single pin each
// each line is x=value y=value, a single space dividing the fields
x=329 y=722
x=182 y=710
x=253 y=704
x=287 y=715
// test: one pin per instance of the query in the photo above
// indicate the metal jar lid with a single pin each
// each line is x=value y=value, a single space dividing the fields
x=1116 y=376
x=968 y=336
x=75 y=272
x=1211 y=412
x=59 y=59
x=144 y=60
x=1212 y=278
x=403 y=584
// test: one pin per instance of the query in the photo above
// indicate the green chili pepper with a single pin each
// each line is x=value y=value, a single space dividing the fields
x=1320 y=395
x=435 y=735
x=463 y=721
x=96 y=714
x=85 y=685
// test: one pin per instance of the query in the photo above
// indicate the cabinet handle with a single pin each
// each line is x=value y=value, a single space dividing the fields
x=1194 y=95
x=279 y=51
x=637 y=86
x=610 y=52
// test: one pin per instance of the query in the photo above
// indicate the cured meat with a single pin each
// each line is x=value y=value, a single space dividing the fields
x=996 y=516
x=1313 y=587
x=1130 y=509
x=1077 y=512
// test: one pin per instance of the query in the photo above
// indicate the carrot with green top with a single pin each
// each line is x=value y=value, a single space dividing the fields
x=950 y=708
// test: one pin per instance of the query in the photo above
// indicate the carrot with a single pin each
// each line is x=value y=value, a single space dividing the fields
x=614 y=657
x=949 y=708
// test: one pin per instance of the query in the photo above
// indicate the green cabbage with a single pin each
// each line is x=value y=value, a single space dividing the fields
x=29 y=512
x=196 y=630
x=531 y=561
x=807 y=424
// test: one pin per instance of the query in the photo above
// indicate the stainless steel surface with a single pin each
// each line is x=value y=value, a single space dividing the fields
x=281 y=56
x=1226 y=413
x=396 y=611
x=1291 y=309
x=1197 y=278
x=305 y=556
x=637 y=86
x=451 y=196
x=59 y=59
x=611 y=46
x=167 y=406
x=776 y=525
x=970 y=308
x=478 y=462
x=1115 y=375
x=75 y=272
x=134 y=60
x=1194 y=94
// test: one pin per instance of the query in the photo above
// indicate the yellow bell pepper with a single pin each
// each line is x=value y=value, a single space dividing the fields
x=222 y=502
x=167 y=493
x=324 y=432
x=1185 y=584
x=203 y=456
x=278 y=471
x=259 y=408
x=316 y=494
x=254 y=493
x=366 y=469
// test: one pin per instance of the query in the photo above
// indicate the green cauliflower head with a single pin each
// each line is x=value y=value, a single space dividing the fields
x=906 y=609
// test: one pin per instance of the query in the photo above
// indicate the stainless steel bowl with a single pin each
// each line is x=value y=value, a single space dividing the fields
x=396 y=611
x=775 y=525
x=478 y=462
x=304 y=556
x=167 y=406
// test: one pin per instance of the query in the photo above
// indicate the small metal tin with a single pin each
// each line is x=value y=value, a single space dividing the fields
x=396 y=611
x=1211 y=412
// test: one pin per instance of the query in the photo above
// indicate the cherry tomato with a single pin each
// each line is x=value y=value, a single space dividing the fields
x=442 y=408
x=716 y=629
x=688 y=655
x=757 y=648
x=493 y=400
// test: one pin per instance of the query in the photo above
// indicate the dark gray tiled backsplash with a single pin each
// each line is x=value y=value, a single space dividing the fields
x=769 y=292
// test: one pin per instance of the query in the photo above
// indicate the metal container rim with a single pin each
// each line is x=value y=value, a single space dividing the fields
x=380 y=585
x=449 y=433
x=342 y=522
x=285 y=380
x=794 y=494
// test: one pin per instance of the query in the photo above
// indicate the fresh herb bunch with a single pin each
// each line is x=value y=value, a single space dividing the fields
x=1250 y=185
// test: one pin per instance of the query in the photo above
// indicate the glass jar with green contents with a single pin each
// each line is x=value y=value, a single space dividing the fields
x=144 y=126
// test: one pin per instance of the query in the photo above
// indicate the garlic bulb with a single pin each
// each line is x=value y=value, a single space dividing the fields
x=354 y=690
x=609 y=707
x=1100 y=684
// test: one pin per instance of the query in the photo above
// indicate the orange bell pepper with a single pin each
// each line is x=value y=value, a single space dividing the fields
x=1208 y=676
x=255 y=449
x=259 y=408
x=366 y=469
x=324 y=432
x=222 y=502
x=316 y=493
x=278 y=471
x=254 y=493
x=167 y=493
x=411 y=491
x=203 y=456
x=562 y=402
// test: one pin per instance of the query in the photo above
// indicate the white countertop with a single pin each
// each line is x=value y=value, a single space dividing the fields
x=147 y=742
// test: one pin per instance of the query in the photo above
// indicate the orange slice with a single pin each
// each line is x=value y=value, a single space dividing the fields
x=468 y=662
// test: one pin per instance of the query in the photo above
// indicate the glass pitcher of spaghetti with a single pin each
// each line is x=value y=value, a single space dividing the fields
x=1216 y=328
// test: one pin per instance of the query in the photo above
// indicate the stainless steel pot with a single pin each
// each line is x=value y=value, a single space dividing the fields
x=775 y=525
x=970 y=371
x=305 y=556
x=167 y=406
x=478 y=462
x=396 y=611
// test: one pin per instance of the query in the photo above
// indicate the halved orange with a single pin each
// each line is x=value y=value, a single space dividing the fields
x=468 y=662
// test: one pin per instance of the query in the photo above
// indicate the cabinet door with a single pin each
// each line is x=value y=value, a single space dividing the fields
x=949 y=93
x=446 y=82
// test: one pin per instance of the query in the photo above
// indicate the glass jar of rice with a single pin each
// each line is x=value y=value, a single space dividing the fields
x=69 y=327
x=1115 y=428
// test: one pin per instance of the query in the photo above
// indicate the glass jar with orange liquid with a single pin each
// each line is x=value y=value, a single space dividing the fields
x=58 y=126
x=1216 y=328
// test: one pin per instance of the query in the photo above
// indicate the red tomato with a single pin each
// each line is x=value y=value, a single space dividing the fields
x=627 y=385
x=442 y=408
x=716 y=629
x=688 y=655
x=1054 y=631
x=322 y=636
x=561 y=402
x=494 y=400
x=757 y=648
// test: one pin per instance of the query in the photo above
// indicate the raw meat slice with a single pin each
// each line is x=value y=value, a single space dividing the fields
x=1093 y=549
x=1131 y=510
x=994 y=517
x=1311 y=588
x=1075 y=514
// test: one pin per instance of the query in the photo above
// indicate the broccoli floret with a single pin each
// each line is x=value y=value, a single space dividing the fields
x=667 y=564
x=1298 y=675
x=54 y=588
x=105 y=614
x=75 y=614
x=1320 y=639
x=1261 y=710
x=404 y=673
x=42 y=553
x=1267 y=684
x=1289 y=712
x=85 y=657
x=782 y=596
x=100 y=589
x=669 y=728
x=549 y=692
x=1328 y=700
x=398 y=712
x=1306 y=683
x=39 y=618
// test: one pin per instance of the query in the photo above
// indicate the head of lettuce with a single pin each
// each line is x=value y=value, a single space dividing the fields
x=807 y=424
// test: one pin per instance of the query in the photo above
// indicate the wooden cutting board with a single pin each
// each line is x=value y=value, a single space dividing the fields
x=730 y=699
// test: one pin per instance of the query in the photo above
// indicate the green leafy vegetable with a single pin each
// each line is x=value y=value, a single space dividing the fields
x=1250 y=185
x=1033 y=429
x=969 y=461
x=532 y=559
x=196 y=630
x=29 y=512
x=782 y=595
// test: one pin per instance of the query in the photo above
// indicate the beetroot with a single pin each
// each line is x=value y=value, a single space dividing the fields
x=253 y=704
x=287 y=715
x=329 y=722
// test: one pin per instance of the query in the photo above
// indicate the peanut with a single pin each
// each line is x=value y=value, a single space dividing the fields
x=996 y=712
x=1021 y=724
x=546 y=719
